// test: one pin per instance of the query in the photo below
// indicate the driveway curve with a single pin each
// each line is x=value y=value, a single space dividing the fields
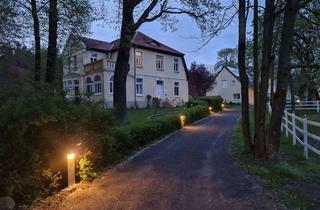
x=190 y=169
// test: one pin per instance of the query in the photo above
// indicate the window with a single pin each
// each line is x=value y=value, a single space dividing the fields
x=176 y=65
x=89 y=85
x=76 y=87
x=176 y=89
x=94 y=57
x=233 y=82
x=111 y=85
x=224 y=84
x=138 y=59
x=139 y=86
x=236 y=96
x=97 y=85
x=159 y=62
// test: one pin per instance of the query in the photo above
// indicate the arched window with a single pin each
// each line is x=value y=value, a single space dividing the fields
x=89 y=85
x=111 y=85
x=97 y=84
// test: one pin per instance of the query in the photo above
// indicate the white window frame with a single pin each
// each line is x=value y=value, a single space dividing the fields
x=176 y=87
x=160 y=62
x=97 y=85
x=110 y=84
x=139 y=86
x=93 y=57
x=224 y=83
x=139 y=62
x=235 y=96
x=176 y=65
x=89 y=86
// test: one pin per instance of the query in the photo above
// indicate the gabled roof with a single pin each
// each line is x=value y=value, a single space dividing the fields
x=140 y=40
x=236 y=74
x=94 y=44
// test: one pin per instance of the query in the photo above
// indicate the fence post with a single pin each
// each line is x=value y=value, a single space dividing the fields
x=294 y=138
x=286 y=122
x=318 y=106
x=305 y=136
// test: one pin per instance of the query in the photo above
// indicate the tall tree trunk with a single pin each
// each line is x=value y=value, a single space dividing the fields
x=260 y=141
x=283 y=76
x=122 y=67
x=244 y=76
x=293 y=101
x=52 y=45
x=255 y=60
x=36 y=33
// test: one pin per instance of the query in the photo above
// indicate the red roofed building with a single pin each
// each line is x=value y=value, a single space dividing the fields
x=155 y=69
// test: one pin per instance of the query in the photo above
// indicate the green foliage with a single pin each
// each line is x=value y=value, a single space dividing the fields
x=213 y=101
x=294 y=179
x=131 y=137
x=86 y=167
x=38 y=128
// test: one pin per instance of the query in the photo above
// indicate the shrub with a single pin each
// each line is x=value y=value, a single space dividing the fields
x=213 y=101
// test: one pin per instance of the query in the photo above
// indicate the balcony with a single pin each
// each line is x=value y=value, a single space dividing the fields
x=99 y=66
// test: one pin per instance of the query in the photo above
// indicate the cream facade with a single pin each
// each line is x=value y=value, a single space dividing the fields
x=89 y=73
x=228 y=86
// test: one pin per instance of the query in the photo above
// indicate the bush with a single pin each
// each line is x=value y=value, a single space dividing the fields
x=130 y=138
x=38 y=128
x=213 y=101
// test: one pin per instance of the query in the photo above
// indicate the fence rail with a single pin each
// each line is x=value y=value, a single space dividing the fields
x=305 y=105
x=290 y=123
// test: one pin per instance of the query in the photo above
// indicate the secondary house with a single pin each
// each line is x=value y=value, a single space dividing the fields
x=155 y=69
x=228 y=86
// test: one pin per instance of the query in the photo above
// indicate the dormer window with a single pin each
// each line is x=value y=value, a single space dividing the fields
x=93 y=57
x=154 y=43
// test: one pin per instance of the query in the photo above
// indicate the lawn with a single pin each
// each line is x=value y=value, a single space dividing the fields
x=294 y=180
x=141 y=115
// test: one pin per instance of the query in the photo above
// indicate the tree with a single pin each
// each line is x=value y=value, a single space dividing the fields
x=200 y=80
x=205 y=13
x=255 y=58
x=227 y=57
x=283 y=75
x=52 y=44
x=243 y=76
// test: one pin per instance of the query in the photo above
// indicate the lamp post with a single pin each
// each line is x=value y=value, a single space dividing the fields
x=71 y=169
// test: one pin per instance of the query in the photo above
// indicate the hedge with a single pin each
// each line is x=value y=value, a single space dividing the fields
x=213 y=101
x=130 y=138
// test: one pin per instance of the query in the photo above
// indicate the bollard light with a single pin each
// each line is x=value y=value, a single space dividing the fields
x=210 y=108
x=298 y=101
x=71 y=169
x=182 y=120
x=222 y=105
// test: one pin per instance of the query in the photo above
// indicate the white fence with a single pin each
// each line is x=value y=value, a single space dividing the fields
x=305 y=105
x=291 y=122
x=305 y=135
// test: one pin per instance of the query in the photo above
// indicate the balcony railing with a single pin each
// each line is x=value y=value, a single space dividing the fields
x=99 y=65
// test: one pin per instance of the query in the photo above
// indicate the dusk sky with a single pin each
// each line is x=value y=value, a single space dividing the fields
x=179 y=39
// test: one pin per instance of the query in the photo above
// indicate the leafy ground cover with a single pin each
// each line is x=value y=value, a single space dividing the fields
x=295 y=180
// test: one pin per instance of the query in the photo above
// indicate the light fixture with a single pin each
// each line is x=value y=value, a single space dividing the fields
x=71 y=169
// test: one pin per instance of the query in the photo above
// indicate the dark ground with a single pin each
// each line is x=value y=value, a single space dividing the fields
x=191 y=169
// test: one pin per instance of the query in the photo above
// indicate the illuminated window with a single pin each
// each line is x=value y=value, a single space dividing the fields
x=138 y=59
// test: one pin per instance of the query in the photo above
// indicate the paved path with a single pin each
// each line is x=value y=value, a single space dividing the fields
x=191 y=169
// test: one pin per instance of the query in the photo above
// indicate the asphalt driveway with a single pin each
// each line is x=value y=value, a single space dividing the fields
x=191 y=169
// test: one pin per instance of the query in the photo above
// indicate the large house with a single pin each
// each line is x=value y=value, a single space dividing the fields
x=228 y=86
x=154 y=69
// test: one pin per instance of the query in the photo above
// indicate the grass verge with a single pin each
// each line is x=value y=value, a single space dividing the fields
x=294 y=180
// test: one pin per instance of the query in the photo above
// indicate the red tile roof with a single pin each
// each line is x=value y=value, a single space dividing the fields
x=140 y=40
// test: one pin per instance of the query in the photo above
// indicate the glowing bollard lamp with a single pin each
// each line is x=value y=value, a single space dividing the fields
x=71 y=169
x=210 y=108
x=182 y=120
x=222 y=106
